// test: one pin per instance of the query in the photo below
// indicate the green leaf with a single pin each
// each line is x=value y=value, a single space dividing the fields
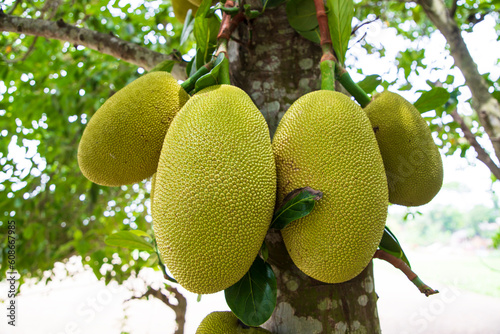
x=187 y=28
x=166 y=65
x=253 y=298
x=301 y=15
x=390 y=244
x=212 y=77
x=340 y=14
x=152 y=260
x=496 y=95
x=128 y=239
x=312 y=35
x=206 y=28
x=432 y=99
x=297 y=204
x=370 y=83
x=264 y=251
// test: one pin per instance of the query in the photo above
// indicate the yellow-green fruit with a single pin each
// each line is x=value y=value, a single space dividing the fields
x=325 y=141
x=215 y=189
x=225 y=323
x=181 y=8
x=412 y=161
x=122 y=141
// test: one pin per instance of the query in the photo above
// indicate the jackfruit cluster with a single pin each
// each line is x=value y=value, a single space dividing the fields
x=217 y=175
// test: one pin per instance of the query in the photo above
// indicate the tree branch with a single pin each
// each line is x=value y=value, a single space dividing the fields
x=401 y=265
x=104 y=43
x=482 y=155
x=486 y=106
x=179 y=309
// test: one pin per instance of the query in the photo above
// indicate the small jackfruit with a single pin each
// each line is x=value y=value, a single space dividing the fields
x=411 y=158
x=215 y=189
x=325 y=141
x=122 y=141
x=181 y=8
x=225 y=323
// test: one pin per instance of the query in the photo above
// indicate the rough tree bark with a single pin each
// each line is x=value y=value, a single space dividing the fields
x=275 y=68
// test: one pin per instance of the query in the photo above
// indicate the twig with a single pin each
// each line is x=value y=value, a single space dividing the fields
x=356 y=28
x=401 y=265
x=482 y=155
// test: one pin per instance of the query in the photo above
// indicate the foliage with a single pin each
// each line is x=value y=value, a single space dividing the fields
x=47 y=100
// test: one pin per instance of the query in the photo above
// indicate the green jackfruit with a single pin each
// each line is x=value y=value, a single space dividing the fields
x=325 y=141
x=225 y=323
x=215 y=189
x=122 y=141
x=412 y=161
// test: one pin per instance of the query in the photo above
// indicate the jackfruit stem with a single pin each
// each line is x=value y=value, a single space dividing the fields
x=224 y=69
x=401 y=265
x=327 y=75
x=190 y=82
x=345 y=79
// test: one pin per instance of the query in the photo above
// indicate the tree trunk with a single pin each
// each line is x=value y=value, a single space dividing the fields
x=275 y=67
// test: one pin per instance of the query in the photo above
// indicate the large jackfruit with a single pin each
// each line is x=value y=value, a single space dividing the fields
x=325 y=141
x=122 y=141
x=215 y=189
x=412 y=161
x=225 y=323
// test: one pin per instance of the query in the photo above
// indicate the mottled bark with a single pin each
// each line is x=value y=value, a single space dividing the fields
x=104 y=43
x=486 y=106
x=276 y=67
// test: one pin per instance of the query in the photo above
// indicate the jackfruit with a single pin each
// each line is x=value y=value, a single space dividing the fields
x=181 y=8
x=122 y=141
x=325 y=141
x=215 y=189
x=412 y=161
x=225 y=323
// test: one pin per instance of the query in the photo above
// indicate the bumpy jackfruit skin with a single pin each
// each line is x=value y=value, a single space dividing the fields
x=225 y=323
x=181 y=8
x=325 y=141
x=122 y=141
x=412 y=161
x=215 y=189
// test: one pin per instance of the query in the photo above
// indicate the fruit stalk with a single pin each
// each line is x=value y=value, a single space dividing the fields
x=190 y=82
x=328 y=60
x=345 y=79
x=401 y=265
